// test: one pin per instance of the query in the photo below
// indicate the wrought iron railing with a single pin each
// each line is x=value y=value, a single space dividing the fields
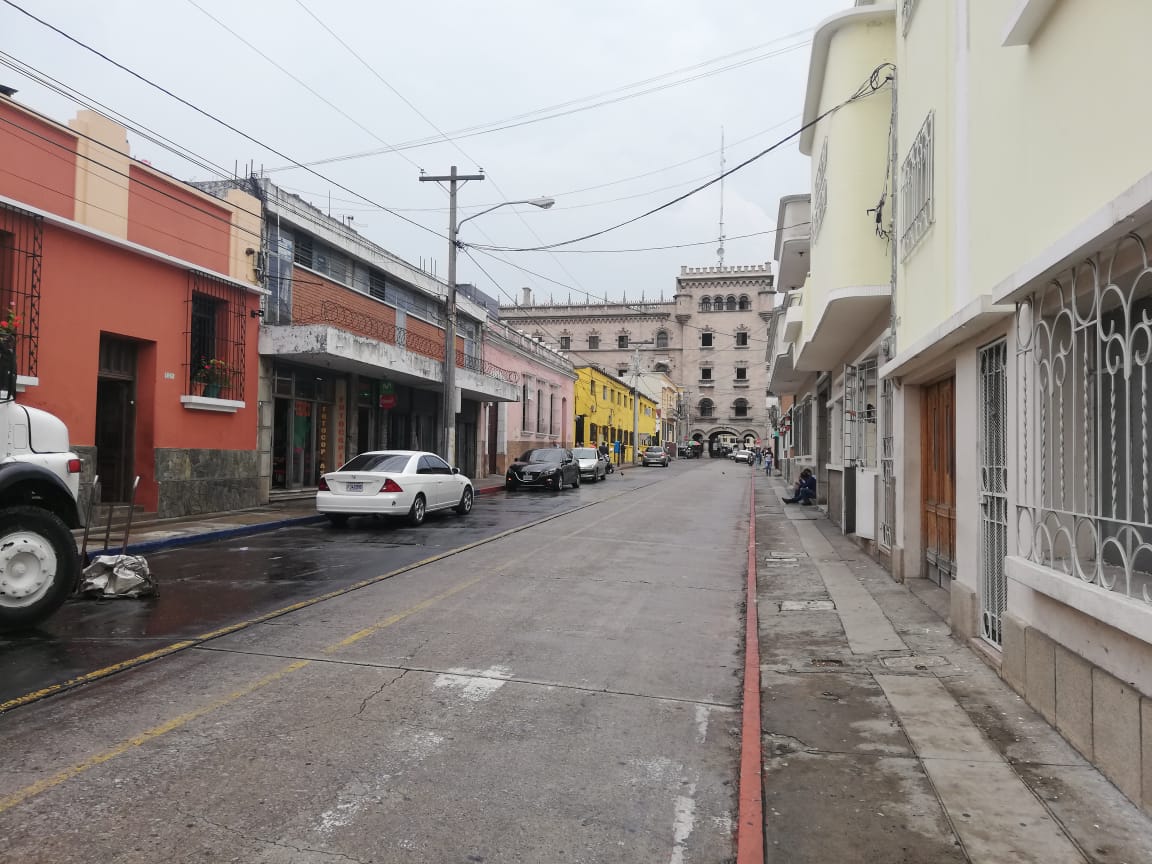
x=373 y=327
x=917 y=207
x=483 y=367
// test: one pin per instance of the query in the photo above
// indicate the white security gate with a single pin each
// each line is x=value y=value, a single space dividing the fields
x=993 y=488
x=887 y=466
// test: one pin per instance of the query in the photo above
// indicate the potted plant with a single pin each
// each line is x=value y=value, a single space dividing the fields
x=9 y=327
x=215 y=375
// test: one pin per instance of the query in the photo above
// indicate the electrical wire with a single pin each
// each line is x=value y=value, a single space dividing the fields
x=127 y=176
x=518 y=120
x=204 y=113
x=682 y=245
x=388 y=147
x=617 y=182
x=84 y=101
x=866 y=89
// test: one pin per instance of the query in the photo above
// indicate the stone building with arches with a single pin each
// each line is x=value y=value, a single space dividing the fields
x=711 y=340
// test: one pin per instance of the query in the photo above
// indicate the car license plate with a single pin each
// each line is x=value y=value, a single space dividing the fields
x=353 y=487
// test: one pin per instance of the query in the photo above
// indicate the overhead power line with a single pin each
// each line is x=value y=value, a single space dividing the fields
x=873 y=85
x=529 y=118
x=207 y=114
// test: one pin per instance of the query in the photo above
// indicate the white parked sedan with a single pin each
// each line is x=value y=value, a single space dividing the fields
x=407 y=483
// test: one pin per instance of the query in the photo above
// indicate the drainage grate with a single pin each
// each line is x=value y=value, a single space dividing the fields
x=806 y=605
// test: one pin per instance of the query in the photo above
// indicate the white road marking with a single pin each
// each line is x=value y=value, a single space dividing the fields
x=702 y=712
x=475 y=685
x=683 y=824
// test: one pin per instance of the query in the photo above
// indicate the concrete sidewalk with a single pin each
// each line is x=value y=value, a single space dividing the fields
x=886 y=740
x=157 y=534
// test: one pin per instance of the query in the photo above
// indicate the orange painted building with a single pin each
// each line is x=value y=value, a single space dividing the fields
x=126 y=281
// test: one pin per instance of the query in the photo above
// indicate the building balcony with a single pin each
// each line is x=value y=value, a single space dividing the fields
x=793 y=322
x=855 y=310
x=339 y=338
x=793 y=239
x=741 y=382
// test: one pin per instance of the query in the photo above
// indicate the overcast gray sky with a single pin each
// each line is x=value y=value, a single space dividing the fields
x=461 y=65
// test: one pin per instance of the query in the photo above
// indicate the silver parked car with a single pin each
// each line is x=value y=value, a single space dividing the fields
x=745 y=456
x=592 y=467
x=654 y=455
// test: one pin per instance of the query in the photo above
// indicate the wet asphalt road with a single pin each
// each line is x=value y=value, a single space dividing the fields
x=565 y=693
x=210 y=586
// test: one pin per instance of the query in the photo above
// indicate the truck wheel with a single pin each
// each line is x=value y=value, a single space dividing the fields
x=39 y=565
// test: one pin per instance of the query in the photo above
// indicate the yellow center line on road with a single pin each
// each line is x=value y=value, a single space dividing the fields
x=22 y=795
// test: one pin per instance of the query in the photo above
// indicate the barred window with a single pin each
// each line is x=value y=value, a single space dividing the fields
x=917 y=210
x=741 y=338
x=217 y=325
x=661 y=338
x=820 y=191
x=622 y=341
x=21 y=247
x=740 y=408
x=706 y=408
x=744 y=303
x=705 y=304
x=593 y=342
x=377 y=285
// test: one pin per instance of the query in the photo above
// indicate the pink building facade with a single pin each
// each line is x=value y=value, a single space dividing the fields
x=544 y=415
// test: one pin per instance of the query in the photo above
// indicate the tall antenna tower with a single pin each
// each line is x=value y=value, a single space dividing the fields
x=723 y=163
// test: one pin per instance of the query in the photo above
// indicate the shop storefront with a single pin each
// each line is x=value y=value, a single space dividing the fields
x=309 y=425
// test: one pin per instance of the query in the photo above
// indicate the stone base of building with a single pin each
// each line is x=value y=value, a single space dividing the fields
x=207 y=481
x=1107 y=720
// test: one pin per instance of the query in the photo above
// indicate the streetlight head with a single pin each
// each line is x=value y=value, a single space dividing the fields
x=542 y=203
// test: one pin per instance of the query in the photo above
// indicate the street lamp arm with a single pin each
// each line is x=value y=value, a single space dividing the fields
x=542 y=203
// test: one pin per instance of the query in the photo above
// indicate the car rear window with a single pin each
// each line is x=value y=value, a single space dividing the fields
x=377 y=462
x=552 y=454
x=584 y=453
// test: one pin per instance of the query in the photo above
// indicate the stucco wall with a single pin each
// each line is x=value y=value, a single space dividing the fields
x=847 y=252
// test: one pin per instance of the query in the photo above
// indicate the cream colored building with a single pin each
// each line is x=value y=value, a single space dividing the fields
x=1010 y=400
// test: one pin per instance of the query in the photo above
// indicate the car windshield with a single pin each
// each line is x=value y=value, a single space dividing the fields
x=377 y=462
x=585 y=453
x=551 y=454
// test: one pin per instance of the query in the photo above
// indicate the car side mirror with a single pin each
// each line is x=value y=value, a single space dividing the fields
x=455 y=470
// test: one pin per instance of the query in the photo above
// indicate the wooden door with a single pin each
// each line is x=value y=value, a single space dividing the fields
x=115 y=437
x=938 y=465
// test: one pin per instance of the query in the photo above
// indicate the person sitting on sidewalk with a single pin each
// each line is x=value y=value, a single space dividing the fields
x=805 y=490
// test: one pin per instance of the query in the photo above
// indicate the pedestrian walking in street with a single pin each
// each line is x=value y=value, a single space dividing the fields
x=768 y=462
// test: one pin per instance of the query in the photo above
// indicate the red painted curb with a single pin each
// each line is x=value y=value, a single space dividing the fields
x=750 y=826
x=488 y=490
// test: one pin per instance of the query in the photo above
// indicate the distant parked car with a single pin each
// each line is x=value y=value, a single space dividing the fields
x=592 y=467
x=549 y=467
x=402 y=483
x=745 y=456
x=654 y=455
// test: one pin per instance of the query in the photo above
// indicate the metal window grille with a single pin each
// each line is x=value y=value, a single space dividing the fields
x=802 y=428
x=661 y=338
x=820 y=191
x=742 y=339
x=705 y=407
x=217 y=326
x=302 y=253
x=621 y=341
x=1083 y=351
x=907 y=10
x=593 y=342
x=917 y=209
x=377 y=285
x=740 y=408
x=993 y=488
x=887 y=465
x=21 y=257
x=705 y=373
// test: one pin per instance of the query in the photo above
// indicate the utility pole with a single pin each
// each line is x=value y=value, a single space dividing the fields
x=447 y=437
x=636 y=401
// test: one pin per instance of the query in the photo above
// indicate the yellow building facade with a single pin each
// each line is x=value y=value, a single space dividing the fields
x=604 y=412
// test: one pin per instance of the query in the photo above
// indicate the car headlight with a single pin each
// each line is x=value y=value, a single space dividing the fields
x=547 y=472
